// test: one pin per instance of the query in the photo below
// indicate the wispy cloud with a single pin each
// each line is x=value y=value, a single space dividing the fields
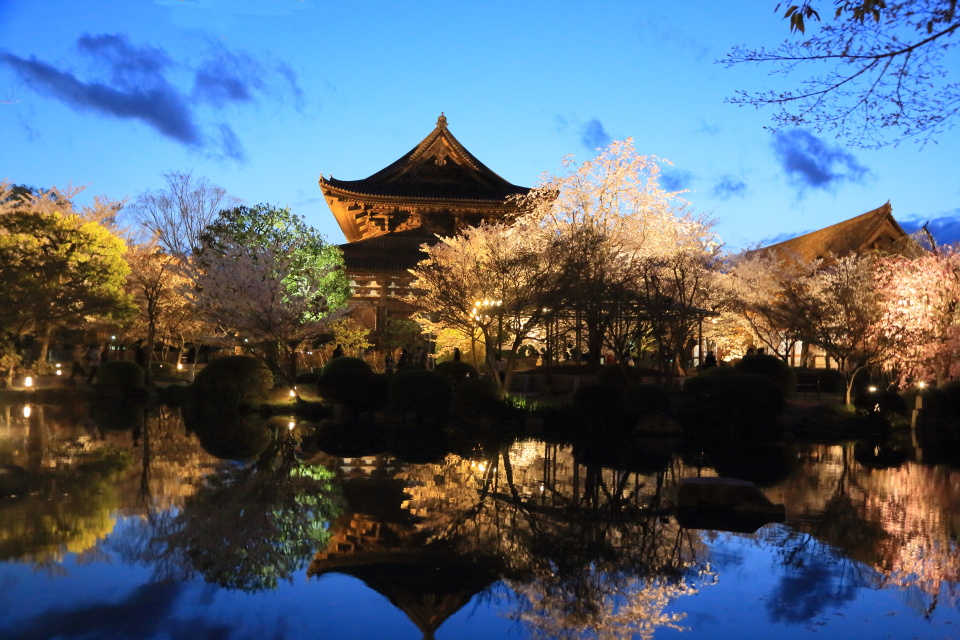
x=594 y=136
x=143 y=83
x=811 y=163
x=676 y=179
x=729 y=186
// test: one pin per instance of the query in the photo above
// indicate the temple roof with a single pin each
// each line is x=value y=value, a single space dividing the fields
x=873 y=230
x=438 y=168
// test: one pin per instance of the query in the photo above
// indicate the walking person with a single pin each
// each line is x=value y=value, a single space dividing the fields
x=93 y=359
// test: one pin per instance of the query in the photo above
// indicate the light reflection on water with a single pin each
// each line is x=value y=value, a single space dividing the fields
x=137 y=532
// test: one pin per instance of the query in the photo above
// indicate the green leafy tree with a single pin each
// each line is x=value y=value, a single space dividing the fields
x=351 y=337
x=58 y=270
x=270 y=281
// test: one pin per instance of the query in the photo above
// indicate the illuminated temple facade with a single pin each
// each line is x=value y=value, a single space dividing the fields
x=437 y=188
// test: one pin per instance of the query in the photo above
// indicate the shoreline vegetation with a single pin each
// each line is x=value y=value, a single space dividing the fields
x=718 y=404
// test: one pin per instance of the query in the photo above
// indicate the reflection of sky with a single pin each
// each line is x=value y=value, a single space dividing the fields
x=108 y=599
x=755 y=597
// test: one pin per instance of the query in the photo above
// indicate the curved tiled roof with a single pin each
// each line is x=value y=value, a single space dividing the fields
x=438 y=168
x=877 y=227
x=426 y=191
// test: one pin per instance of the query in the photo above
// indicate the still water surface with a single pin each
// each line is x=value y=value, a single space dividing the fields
x=133 y=529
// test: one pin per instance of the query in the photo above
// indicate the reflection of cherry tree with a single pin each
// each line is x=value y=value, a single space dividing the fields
x=885 y=527
x=585 y=550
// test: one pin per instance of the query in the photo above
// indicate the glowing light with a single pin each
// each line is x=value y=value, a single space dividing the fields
x=291 y=425
x=922 y=385
x=26 y=411
x=59 y=372
x=293 y=392
x=179 y=366
x=872 y=389
x=28 y=381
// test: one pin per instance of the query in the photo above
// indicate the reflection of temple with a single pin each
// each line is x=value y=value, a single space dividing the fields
x=429 y=537
x=437 y=188
x=379 y=542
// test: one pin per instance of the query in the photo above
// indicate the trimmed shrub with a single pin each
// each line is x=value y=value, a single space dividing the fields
x=457 y=372
x=823 y=380
x=421 y=391
x=641 y=399
x=346 y=363
x=612 y=374
x=770 y=367
x=353 y=387
x=231 y=380
x=476 y=396
x=738 y=401
x=886 y=403
x=599 y=408
x=121 y=373
x=174 y=395
x=307 y=377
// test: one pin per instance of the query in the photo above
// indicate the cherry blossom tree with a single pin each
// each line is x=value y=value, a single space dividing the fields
x=840 y=308
x=500 y=279
x=270 y=281
x=620 y=234
x=922 y=313
x=754 y=291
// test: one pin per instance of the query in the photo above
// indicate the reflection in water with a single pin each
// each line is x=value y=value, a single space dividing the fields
x=566 y=544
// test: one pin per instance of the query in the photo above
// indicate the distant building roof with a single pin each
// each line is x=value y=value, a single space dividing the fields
x=875 y=230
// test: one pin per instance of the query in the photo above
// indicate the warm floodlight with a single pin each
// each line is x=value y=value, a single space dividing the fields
x=291 y=425
x=922 y=385
x=59 y=372
x=872 y=389
x=293 y=392
x=28 y=381
x=26 y=411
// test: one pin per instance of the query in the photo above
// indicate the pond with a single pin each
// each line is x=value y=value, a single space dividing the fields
x=133 y=529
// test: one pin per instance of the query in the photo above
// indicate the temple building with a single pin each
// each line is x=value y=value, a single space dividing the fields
x=437 y=188
x=875 y=230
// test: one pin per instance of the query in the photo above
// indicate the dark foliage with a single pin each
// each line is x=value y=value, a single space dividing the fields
x=770 y=367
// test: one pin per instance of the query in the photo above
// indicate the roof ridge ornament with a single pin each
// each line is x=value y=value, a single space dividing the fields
x=442 y=121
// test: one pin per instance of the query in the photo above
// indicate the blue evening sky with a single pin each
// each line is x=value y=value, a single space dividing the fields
x=262 y=96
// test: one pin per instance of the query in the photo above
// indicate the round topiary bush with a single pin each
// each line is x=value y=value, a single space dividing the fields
x=353 y=387
x=770 y=367
x=641 y=399
x=121 y=373
x=735 y=402
x=421 y=391
x=231 y=380
x=476 y=396
x=457 y=371
x=344 y=363
x=599 y=407
x=612 y=374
